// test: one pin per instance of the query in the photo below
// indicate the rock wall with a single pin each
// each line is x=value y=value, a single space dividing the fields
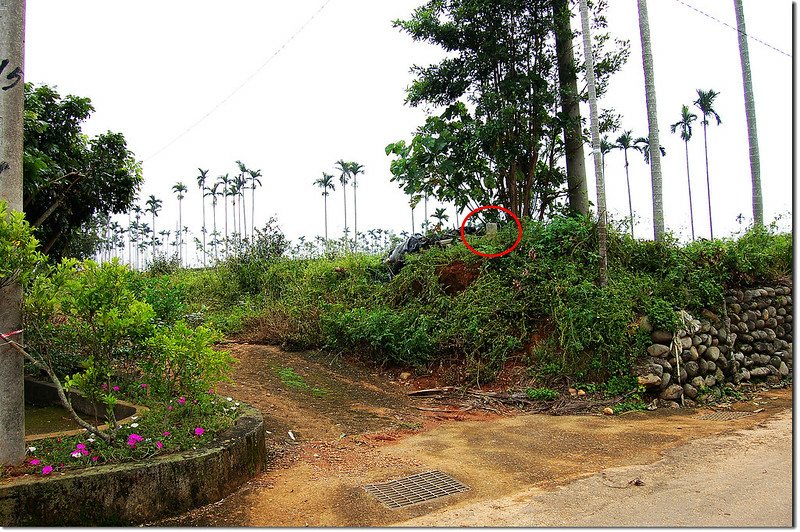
x=752 y=341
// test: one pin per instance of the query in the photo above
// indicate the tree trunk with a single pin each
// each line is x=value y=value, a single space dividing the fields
x=578 y=193
x=355 y=214
x=652 y=121
x=628 y=181
x=750 y=112
x=203 y=197
x=689 y=182
x=344 y=195
x=708 y=180
x=253 y=210
x=180 y=233
x=12 y=398
x=326 y=221
x=598 y=164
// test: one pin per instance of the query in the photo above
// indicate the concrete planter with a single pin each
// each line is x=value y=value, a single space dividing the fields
x=141 y=492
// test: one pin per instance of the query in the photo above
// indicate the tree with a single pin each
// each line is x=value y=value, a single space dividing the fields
x=440 y=216
x=598 y=170
x=344 y=178
x=685 y=126
x=153 y=207
x=625 y=142
x=241 y=183
x=326 y=184
x=652 y=121
x=213 y=191
x=224 y=181
x=496 y=139
x=180 y=189
x=69 y=178
x=201 y=184
x=705 y=102
x=577 y=191
x=254 y=180
x=355 y=169
x=750 y=114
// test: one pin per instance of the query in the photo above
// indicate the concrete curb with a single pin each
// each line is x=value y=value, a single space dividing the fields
x=135 y=493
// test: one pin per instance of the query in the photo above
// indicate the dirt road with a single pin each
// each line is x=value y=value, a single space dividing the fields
x=359 y=427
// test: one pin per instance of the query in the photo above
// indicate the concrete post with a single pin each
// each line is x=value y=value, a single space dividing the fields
x=12 y=98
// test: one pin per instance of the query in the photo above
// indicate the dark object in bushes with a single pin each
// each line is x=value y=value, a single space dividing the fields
x=417 y=242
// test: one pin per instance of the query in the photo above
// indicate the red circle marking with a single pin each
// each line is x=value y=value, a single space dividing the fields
x=492 y=255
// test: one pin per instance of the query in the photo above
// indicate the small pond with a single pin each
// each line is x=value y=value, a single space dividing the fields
x=47 y=419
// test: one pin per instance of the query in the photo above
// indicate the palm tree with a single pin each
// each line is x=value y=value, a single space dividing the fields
x=153 y=206
x=355 y=169
x=750 y=114
x=201 y=184
x=224 y=180
x=344 y=178
x=625 y=142
x=644 y=147
x=241 y=182
x=254 y=179
x=213 y=191
x=652 y=121
x=685 y=126
x=605 y=148
x=705 y=102
x=326 y=184
x=598 y=164
x=137 y=210
x=440 y=216
x=179 y=189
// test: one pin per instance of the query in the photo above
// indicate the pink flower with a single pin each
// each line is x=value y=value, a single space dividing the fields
x=80 y=446
x=95 y=458
x=75 y=454
x=104 y=386
x=115 y=388
x=36 y=461
x=159 y=445
x=211 y=391
x=199 y=431
x=195 y=401
x=166 y=433
x=143 y=385
x=169 y=407
x=182 y=400
x=133 y=439
x=46 y=470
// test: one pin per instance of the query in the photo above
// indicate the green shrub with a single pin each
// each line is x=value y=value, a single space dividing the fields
x=663 y=316
x=541 y=394
x=163 y=264
x=18 y=253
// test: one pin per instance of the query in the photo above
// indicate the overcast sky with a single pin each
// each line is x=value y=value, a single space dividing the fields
x=153 y=69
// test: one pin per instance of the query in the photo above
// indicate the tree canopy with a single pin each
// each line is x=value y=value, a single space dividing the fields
x=497 y=135
x=70 y=180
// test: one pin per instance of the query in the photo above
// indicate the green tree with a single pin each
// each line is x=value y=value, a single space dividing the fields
x=705 y=102
x=153 y=207
x=201 y=184
x=497 y=139
x=440 y=216
x=355 y=169
x=241 y=183
x=224 y=181
x=326 y=184
x=625 y=142
x=69 y=178
x=214 y=192
x=180 y=190
x=685 y=127
x=253 y=177
x=344 y=178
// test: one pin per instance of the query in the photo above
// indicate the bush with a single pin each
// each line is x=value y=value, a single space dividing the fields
x=163 y=264
x=18 y=254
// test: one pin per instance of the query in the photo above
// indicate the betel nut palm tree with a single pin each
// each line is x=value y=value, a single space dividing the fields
x=625 y=142
x=344 y=178
x=201 y=184
x=685 y=127
x=153 y=207
x=180 y=190
x=705 y=102
x=327 y=185
x=355 y=169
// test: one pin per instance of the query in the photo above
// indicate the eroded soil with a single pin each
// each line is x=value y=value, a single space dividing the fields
x=353 y=426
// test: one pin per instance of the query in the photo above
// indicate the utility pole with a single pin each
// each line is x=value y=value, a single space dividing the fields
x=12 y=99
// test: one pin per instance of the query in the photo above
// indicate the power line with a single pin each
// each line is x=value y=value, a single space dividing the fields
x=733 y=28
x=241 y=85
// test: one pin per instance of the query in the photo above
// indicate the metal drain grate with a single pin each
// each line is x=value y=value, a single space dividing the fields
x=415 y=489
x=724 y=416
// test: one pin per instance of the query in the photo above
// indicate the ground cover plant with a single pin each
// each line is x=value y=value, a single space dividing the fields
x=540 y=305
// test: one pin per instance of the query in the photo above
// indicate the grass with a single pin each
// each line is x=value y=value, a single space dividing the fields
x=290 y=379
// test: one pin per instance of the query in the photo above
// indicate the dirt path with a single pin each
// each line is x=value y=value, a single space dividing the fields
x=364 y=429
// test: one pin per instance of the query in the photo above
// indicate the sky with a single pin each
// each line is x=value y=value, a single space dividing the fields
x=291 y=87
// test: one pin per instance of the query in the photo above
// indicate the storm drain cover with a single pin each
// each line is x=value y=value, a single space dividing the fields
x=724 y=416
x=415 y=489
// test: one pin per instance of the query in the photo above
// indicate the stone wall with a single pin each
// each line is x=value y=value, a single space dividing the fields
x=751 y=341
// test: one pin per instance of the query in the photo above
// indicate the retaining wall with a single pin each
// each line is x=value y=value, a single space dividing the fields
x=752 y=340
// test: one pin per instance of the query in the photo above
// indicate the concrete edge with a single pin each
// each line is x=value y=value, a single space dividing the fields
x=135 y=493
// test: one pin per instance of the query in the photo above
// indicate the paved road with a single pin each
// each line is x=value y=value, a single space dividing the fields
x=733 y=480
